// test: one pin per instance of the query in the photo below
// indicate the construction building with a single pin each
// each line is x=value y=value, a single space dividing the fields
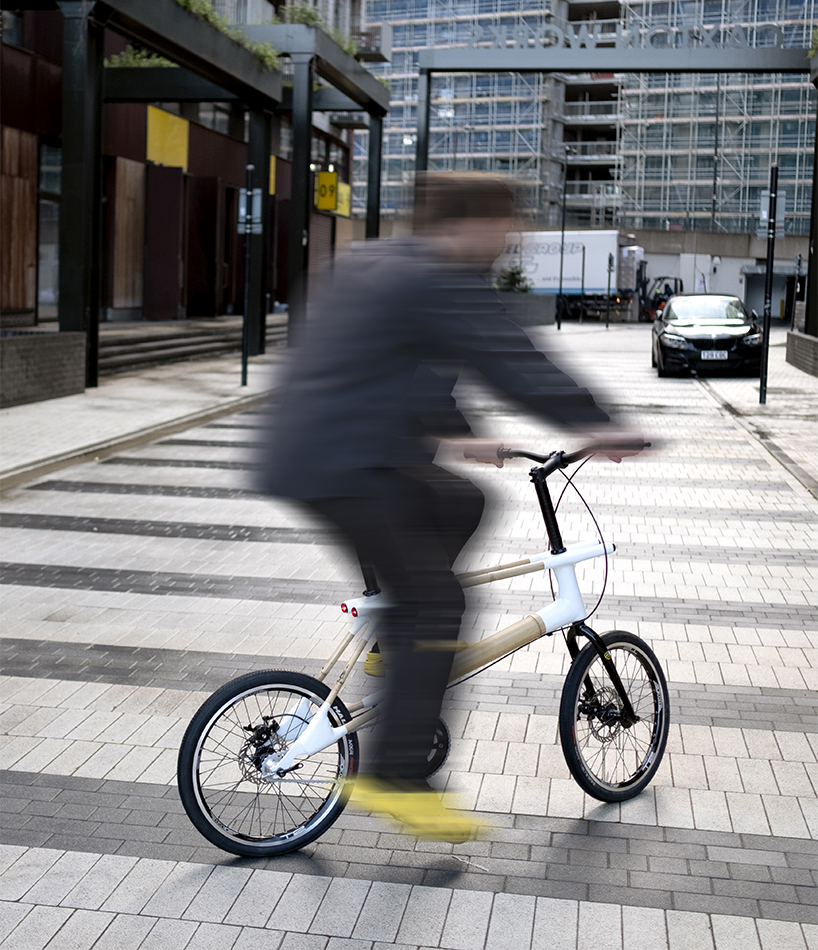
x=638 y=151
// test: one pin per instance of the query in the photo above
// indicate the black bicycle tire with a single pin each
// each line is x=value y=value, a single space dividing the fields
x=578 y=763
x=199 y=807
x=440 y=749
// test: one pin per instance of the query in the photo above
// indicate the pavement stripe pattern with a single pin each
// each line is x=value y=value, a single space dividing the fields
x=122 y=625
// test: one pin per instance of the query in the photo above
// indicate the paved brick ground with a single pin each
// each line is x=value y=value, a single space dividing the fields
x=136 y=585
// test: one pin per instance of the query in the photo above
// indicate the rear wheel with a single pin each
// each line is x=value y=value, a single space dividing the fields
x=609 y=758
x=221 y=783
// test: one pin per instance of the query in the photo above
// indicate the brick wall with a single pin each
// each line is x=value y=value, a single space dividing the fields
x=40 y=365
x=802 y=352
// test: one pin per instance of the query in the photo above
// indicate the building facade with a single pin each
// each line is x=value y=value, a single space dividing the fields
x=171 y=175
x=630 y=150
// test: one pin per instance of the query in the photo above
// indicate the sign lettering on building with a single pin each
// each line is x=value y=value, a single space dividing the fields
x=692 y=36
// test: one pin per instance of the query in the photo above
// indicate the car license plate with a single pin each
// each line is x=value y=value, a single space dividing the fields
x=714 y=354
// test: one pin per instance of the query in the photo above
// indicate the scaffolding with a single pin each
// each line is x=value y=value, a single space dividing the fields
x=631 y=150
x=493 y=122
x=696 y=149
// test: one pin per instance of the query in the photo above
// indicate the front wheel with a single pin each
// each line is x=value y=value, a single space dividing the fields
x=610 y=760
x=221 y=783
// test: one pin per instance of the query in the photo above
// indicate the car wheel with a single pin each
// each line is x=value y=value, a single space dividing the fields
x=653 y=357
x=661 y=372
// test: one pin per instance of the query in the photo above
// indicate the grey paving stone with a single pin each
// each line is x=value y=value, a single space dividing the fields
x=298 y=904
x=254 y=939
x=11 y=913
x=145 y=878
x=61 y=878
x=467 y=920
x=512 y=922
x=212 y=936
x=633 y=896
x=26 y=871
x=218 y=894
x=37 y=928
x=255 y=904
x=381 y=914
x=716 y=904
x=424 y=916
x=294 y=941
x=774 y=910
x=392 y=875
x=82 y=929
x=167 y=933
x=340 y=909
x=178 y=890
x=563 y=890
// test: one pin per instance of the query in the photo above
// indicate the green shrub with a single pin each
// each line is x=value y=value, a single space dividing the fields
x=203 y=9
x=135 y=56
x=307 y=15
x=511 y=280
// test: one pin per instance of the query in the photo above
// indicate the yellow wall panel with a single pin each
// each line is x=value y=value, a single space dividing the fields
x=344 y=206
x=167 y=138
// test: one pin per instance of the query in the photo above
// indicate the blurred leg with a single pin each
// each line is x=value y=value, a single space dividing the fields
x=411 y=530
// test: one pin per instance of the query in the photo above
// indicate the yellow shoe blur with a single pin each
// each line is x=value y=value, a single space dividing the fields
x=422 y=812
x=373 y=664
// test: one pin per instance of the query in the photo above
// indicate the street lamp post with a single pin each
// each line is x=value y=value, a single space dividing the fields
x=566 y=150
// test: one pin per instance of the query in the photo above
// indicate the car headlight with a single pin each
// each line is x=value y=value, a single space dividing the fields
x=754 y=339
x=674 y=342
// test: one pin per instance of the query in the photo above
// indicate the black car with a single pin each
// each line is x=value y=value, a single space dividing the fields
x=696 y=332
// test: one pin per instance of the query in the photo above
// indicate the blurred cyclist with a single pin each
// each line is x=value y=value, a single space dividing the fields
x=367 y=398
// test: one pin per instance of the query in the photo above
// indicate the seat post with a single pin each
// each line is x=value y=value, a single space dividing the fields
x=370 y=581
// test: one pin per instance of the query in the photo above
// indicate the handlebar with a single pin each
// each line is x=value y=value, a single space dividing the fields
x=559 y=460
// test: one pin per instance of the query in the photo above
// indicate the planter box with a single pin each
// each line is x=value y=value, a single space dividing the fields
x=802 y=352
x=36 y=365
x=530 y=310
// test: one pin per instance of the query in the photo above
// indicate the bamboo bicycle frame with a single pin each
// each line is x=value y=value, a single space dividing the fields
x=568 y=608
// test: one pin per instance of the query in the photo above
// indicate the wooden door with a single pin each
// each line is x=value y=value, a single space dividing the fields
x=164 y=204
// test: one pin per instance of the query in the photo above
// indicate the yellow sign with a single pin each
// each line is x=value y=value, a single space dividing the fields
x=272 y=186
x=344 y=199
x=167 y=138
x=326 y=191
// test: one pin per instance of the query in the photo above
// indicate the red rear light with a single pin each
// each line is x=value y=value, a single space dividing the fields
x=354 y=611
x=344 y=608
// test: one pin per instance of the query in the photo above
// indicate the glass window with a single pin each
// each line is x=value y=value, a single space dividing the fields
x=51 y=169
x=48 y=259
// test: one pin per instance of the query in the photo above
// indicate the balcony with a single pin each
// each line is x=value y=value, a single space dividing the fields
x=590 y=153
x=374 y=43
x=592 y=194
x=590 y=112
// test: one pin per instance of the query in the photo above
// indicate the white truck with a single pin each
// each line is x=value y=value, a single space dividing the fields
x=586 y=257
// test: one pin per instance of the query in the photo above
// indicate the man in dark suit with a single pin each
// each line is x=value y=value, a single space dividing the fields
x=367 y=398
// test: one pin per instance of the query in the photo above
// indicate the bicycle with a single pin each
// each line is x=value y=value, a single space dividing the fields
x=265 y=765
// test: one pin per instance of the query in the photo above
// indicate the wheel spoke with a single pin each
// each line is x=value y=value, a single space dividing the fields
x=612 y=758
x=229 y=799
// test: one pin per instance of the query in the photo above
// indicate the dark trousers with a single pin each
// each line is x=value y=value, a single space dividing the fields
x=410 y=527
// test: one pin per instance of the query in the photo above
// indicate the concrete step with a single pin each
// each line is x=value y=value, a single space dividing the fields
x=119 y=353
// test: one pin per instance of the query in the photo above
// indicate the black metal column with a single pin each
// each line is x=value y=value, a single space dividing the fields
x=302 y=199
x=811 y=323
x=80 y=250
x=424 y=106
x=258 y=154
x=373 y=188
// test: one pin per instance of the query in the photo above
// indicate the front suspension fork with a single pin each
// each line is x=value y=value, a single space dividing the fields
x=628 y=716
